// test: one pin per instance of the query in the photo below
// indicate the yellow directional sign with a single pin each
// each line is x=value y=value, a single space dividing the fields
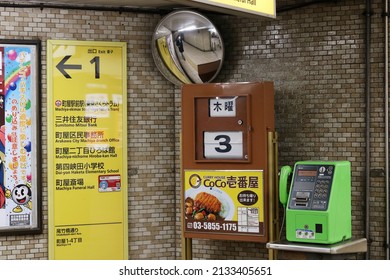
x=87 y=150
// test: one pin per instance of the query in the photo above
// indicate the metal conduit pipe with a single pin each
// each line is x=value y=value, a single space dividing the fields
x=368 y=126
x=386 y=14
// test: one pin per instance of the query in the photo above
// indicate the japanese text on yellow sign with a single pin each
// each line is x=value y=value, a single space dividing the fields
x=87 y=150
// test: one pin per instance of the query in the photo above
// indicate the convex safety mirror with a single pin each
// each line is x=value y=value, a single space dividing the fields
x=187 y=48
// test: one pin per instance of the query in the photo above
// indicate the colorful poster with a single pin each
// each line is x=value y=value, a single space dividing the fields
x=87 y=155
x=224 y=202
x=19 y=141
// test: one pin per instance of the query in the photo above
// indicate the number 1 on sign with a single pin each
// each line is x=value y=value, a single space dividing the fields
x=96 y=61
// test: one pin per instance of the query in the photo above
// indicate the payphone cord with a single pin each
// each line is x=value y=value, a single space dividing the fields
x=282 y=225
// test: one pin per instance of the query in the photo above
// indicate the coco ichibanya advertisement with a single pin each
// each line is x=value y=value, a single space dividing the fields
x=224 y=202
x=17 y=158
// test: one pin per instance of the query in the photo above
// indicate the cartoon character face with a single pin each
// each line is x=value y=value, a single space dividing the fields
x=21 y=194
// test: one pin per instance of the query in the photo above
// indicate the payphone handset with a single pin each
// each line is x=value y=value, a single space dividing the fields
x=285 y=173
x=318 y=204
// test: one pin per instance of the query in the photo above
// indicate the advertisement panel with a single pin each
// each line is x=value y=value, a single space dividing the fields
x=227 y=162
x=87 y=152
x=224 y=202
x=19 y=137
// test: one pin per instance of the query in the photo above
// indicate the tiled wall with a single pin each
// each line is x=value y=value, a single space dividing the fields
x=316 y=57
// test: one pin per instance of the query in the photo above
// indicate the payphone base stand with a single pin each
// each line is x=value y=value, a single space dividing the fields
x=348 y=249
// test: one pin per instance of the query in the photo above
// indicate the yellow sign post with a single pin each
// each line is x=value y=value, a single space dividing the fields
x=87 y=150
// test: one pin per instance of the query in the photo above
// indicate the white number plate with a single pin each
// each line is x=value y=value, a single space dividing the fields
x=223 y=145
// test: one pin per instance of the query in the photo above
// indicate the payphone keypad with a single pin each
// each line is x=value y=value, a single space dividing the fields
x=321 y=194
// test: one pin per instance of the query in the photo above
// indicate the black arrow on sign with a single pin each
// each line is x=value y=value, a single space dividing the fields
x=61 y=66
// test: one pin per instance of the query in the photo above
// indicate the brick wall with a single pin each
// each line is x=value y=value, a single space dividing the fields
x=315 y=56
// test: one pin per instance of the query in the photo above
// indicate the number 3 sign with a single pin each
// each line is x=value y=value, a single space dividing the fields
x=223 y=145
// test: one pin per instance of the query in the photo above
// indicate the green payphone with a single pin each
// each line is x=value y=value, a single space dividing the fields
x=318 y=206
